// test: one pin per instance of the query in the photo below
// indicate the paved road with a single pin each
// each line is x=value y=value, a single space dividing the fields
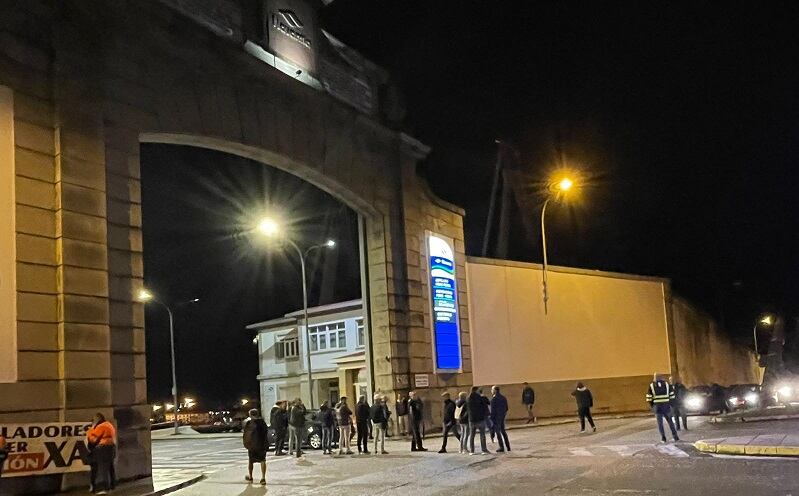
x=621 y=458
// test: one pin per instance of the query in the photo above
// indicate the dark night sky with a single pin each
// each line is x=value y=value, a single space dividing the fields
x=684 y=115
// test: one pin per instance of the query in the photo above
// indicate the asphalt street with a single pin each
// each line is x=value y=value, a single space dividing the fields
x=624 y=457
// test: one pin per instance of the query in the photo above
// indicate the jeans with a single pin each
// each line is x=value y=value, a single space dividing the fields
x=295 y=439
x=280 y=440
x=363 y=437
x=450 y=426
x=104 y=475
x=679 y=413
x=344 y=439
x=416 y=434
x=402 y=424
x=530 y=414
x=663 y=411
x=502 y=435
x=380 y=437
x=327 y=439
x=464 y=436
x=473 y=428
x=585 y=414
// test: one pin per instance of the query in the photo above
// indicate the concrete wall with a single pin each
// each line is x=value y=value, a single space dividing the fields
x=93 y=80
x=607 y=330
x=705 y=354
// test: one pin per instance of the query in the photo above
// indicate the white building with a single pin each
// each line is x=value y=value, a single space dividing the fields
x=337 y=355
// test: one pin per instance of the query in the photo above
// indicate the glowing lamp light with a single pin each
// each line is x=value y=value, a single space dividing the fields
x=144 y=295
x=766 y=320
x=565 y=184
x=157 y=407
x=244 y=401
x=169 y=406
x=330 y=243
x=268 y=227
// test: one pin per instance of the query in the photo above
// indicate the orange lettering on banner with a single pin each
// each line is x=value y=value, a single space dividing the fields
x=24 y=462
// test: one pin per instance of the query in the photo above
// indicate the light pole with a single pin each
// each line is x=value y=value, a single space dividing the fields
x=270 y=228
x=766 y=320
x=560 y=188
x=145 y=297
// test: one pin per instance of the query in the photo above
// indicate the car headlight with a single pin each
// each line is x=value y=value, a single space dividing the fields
x=751 y=398
x=694 y=402
x=310 y=429
x=785 y=391
x=734 y=400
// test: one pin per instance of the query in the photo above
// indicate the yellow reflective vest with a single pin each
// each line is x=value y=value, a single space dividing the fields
x=659 y=392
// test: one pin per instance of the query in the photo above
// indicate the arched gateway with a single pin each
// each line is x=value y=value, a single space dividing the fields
x=82 y=85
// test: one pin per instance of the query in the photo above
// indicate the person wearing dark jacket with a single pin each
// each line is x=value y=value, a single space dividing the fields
x=477 y=405
x=379 y=417
x=296 y=427
x=582 y=395
x=344 y=419
x=327 y=419
x=449 y=422
x=279 y=420
x=499 y=410
x=362 y=425
x=255 y=440
x=528 y=400
x=677 y=406
x=659 y=395
x=415 y=412
x=402 y=415
x=462 y=417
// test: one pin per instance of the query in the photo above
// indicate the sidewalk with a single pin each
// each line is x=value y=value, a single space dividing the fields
x=148 y=487
x=762 y=445
x=769 y=413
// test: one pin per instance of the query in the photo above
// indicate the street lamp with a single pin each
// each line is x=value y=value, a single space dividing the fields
x=558 y=189
x=146 y=296
x=271 y=229
x=765 y=320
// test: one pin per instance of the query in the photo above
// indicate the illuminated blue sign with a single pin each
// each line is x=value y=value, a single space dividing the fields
x=444 y=304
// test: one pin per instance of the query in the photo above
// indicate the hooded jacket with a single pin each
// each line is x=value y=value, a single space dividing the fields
x=583 y=397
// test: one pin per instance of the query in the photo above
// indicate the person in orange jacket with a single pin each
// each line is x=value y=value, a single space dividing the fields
x=3 y=453
x=101 y=439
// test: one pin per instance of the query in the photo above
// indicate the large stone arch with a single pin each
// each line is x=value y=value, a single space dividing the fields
x=90 y=82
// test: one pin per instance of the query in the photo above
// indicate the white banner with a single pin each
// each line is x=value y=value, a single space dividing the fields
x=39 y=449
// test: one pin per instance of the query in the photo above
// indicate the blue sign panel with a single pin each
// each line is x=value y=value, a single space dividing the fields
x=444 y=304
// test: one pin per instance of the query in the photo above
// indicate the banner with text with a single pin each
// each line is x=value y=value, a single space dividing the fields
x=444 y=303
x=41 y=449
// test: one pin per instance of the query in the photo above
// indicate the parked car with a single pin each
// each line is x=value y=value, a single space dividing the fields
x=704 y=400
x=313 y=432
x=744 y=396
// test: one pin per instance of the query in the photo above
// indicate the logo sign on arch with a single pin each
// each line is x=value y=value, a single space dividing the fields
x=444 y=303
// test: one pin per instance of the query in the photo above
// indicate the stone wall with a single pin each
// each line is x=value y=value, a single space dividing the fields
x=90 y=82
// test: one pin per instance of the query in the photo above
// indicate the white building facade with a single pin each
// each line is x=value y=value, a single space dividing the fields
x=337 y=347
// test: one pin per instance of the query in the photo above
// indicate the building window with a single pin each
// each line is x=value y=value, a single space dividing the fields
x=328 y=337
x=361 y=338
x=287 y=347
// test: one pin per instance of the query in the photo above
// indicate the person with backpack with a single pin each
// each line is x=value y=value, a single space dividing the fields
x=344 y=419
x=379 y=419
x=462 y=417
x=328 y=421
x=584 y=404
x=296 y=427
x=279 y=421
x=449 y=422
x=255 y=441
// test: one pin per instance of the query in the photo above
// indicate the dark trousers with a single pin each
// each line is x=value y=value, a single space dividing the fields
x=679 y=413
x=363 y=437
x=103 y=475
x=280 y=441
x=450 y=427
x=473 y=428
x=585 y=414
x=663 y=411
x=416 y=434
x=502 y=435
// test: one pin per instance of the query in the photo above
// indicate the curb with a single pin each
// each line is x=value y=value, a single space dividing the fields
x=741 y=449
x=736 y=418
x=176 y=487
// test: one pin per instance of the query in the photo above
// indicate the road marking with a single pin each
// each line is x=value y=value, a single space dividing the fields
x=580 y=452
x=671 y=450
x=628 y=450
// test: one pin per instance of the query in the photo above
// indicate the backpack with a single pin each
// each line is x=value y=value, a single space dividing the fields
x=249 y=435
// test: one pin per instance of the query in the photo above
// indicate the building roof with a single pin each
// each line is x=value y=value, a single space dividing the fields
x=293 y=318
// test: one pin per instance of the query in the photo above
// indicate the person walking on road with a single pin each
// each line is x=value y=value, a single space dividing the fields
x=362 y=421
x=528 y=400
x=677 y=406
x=402 y=415
x=379 y=420
x=449 y=421
x=101 y=439
x=296 y=427
x=415 y=413
x=279 y=420
x=256 y=442
x=585 y=401
x=344 y=419
x=327 y=420
x=462 y=417
x=659 y=395
x=478 y=406
x=499 y=410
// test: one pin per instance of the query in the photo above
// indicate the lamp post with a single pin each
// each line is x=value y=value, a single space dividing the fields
x=560 y=188
x=766 y=320
x=271 y=229
x=145 y=297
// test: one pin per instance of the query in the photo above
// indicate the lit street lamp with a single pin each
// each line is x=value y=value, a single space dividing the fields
x=765 y=320
x=145 y=297
x=271 y=229
x=560 y=188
